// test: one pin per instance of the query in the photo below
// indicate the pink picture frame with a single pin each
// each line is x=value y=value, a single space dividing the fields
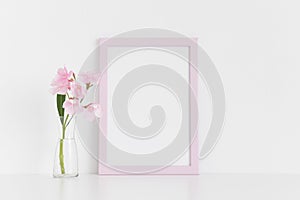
x=192 y=168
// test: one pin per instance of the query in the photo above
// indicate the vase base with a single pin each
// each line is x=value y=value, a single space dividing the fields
x=65 y=175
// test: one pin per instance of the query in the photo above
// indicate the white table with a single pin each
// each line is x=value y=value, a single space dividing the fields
x=202 y=187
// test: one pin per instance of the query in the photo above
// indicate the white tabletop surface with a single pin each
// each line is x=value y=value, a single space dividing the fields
x=201 y=187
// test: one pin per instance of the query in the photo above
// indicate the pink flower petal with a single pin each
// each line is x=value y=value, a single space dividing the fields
x=77 y=90
x=92 y=111
x=72 y=107
x=88 y=77
x=61 y=82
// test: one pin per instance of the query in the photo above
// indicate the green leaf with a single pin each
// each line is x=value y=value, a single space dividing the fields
x=60 y=99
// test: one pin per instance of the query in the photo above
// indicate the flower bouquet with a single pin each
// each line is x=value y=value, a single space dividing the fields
x=70 y=91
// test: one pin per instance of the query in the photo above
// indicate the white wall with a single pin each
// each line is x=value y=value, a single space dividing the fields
x=254 y=45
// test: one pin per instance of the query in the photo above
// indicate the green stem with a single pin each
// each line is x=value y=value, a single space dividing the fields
x=61 y=156
x=61 y=146
x=67 y=123
x=64 y=126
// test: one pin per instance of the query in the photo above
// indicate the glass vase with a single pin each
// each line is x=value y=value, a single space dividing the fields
x=66 y=157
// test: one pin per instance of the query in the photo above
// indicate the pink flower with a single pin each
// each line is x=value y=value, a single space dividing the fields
x=72 y=106
x=88 y=77
x=92 y=111
x=61 y=82
x=77 y=90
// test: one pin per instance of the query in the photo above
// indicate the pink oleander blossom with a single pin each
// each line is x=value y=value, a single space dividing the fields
x=72 y=106
x=77 y=90
x=61 y=82
x=92 y=111
x=88 y=77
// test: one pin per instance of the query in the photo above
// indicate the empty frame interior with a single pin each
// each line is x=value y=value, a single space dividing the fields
x=121 y=60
